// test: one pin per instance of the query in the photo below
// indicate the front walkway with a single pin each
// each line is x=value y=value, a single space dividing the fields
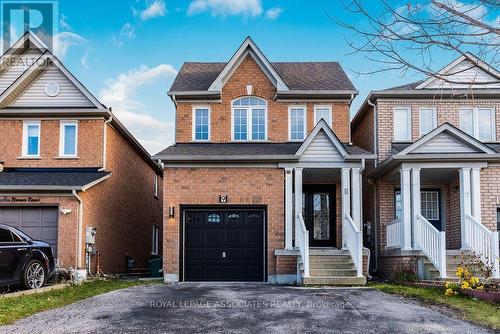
x=242 y=308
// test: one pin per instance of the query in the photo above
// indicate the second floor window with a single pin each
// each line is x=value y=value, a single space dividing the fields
x=31 y=139
x=402 y=124
x=201 y=124
x=428 y=121
x=249 y=119
x=323 y=112
x=68 y=139
x=297 y=121
x=478 y=122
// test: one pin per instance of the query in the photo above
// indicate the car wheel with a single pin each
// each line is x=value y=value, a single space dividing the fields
x=34 y=275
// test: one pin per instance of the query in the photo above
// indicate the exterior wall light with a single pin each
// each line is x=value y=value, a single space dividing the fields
x=171 y=212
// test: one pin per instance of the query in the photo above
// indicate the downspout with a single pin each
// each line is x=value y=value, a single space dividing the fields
x=175 y=118
x=104 y=141
x=80 y=229
x=375 y=162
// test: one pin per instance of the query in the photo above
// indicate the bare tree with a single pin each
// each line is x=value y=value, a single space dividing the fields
x=409 y=38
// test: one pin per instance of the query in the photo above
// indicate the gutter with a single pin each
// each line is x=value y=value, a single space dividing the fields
x=80 y=229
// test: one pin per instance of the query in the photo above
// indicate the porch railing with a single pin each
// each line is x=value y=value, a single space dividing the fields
x=483 y=242
x=432 y=243
x=302 y=242
x=354 y=243
x=394 y=234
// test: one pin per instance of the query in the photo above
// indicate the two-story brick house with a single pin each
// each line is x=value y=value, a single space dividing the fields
x=67 y=163
x=262 y=183
x=434 y=189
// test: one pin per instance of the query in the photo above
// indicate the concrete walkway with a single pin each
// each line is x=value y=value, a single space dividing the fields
x=242 y=308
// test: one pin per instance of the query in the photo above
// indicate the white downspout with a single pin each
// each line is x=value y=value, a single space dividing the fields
x=104 y=141
x=375 y=162
x=80 y=231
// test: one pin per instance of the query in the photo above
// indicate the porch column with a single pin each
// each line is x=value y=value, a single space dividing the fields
x=406 y=206
x=288 y=208
x=465 y=203
x=346 y=198
x=356 y=197
x=298 y=196
x=475 y=185
x=416 y=206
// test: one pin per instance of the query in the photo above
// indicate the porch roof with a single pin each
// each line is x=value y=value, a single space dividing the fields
x=446 y=143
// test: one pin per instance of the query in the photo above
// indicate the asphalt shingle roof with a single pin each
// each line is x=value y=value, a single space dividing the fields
x=198 y=76
x=49 y=178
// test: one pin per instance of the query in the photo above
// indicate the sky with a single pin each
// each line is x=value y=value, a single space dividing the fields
x=127 y=52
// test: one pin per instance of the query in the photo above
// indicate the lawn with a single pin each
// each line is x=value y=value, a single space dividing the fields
x=14 y=308
x=477 y=311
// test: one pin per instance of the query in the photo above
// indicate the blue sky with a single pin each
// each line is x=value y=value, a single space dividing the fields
x=127 y=52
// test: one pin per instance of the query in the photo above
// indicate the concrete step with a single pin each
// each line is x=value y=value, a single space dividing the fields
x=327 y=252
x=333 y=280
x=331 y=265
x=329 y=258
x=351 y=272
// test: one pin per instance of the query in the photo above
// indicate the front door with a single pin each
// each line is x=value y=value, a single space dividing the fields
x=430 y=204
x=319 y=214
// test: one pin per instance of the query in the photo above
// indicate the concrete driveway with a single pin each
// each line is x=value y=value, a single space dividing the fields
x=242 y=308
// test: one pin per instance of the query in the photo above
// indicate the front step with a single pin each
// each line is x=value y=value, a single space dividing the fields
x=329 y=266
x=454 y=258
x=333 y=280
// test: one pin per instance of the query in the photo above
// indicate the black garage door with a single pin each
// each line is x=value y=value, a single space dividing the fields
x=40 y=223
x=224 y=245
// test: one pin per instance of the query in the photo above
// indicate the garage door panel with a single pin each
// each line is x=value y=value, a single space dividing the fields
x=237 y=233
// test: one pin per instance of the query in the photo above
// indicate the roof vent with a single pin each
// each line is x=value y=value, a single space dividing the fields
x=52 y=89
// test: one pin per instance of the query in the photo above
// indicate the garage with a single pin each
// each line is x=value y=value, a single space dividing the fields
x=40 y=223
x=224 y=244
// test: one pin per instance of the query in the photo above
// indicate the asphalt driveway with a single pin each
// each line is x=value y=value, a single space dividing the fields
x=242 y=308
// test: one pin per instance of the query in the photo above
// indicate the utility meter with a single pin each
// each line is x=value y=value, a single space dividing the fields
x=90 y=235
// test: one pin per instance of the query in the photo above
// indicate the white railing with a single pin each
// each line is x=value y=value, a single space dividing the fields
x=354 y=243
x=394 y=234
x=483 y=242
x=302 y=242
x=432 y=243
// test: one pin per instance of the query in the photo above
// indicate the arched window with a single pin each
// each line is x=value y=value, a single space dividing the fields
x=249 y=118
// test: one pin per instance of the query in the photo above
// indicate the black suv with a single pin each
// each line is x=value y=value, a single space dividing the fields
x=23 y=260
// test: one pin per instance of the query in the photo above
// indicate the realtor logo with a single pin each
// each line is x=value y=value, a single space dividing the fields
x=38 y=17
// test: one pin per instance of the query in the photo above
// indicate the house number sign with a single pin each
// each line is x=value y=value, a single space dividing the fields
x=223 y=198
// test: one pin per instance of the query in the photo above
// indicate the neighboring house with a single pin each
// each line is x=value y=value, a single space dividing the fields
x=434 y=190
x=257 y=186
x=68 y=164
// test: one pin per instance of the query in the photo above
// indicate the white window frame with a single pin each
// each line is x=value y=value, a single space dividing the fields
x=62 y=133
x=194 y=122
x=303 y=107
x=322 y=106
x=25 y=138
x=475 y=123
x=249 y=119
x=408 y=126
x=155 y=239
x=434 y=119
x=155 y=185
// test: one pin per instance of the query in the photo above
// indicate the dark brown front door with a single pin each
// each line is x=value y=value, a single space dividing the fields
x=319 y=214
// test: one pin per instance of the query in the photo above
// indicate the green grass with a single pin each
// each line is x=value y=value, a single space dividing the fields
x=14 y=308
x=480 y=312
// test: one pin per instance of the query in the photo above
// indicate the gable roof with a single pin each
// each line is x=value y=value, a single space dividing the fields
x=204 y=78
x=469 y=143
x=322 y=127
x=43 y=62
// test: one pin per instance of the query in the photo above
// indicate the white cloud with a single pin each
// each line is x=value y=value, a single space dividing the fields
x=273 y=13
x=64 y=40
x=128 y=30
x=85 y=58
x=251 y=8
x=63 y=22
x=120 y=94
x=154 y=8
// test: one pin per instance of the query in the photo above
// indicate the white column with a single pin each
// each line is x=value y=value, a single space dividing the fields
x=406 y=204
x=475 y=185
x=345 y=183
x=356 y=197
x=465 y=202
x=288 y=208
x=298 y=197
x=416 y=206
